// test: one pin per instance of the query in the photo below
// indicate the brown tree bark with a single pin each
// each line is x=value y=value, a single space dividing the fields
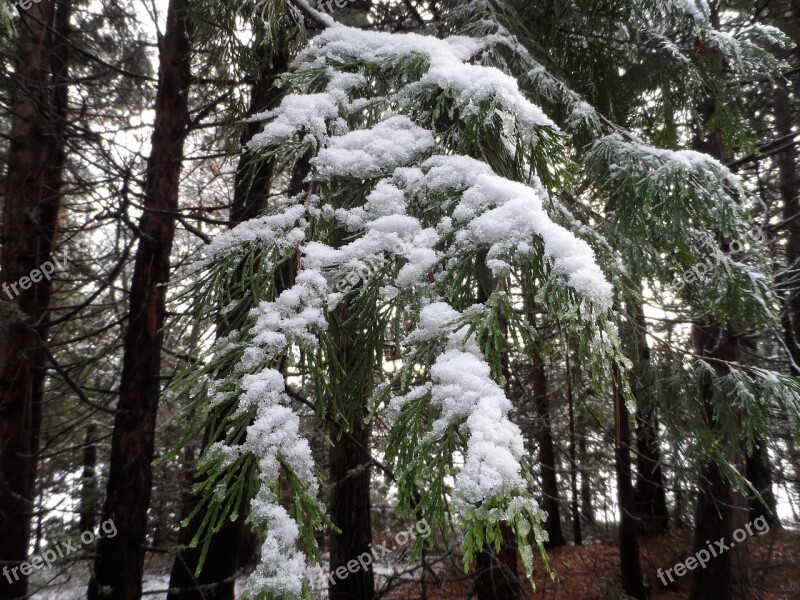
x=632 y=581
x=119 y=566
x=30 y=224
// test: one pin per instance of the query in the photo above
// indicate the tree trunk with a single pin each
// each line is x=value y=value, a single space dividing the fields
x=350 y=508
x=30 y=221
x=649 y=494
x=720 y=509
x=759 y=474
x=547 y=454
x=251 y=194
x=587 y=507
x=90 y=496
x=119 y=567
x=350 y=459
x=496 y=575
x=632 y=581
x=577 y=536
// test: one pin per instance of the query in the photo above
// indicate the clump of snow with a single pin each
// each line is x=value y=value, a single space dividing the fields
x=463 y=390
x=370 y=152
x=282 y=569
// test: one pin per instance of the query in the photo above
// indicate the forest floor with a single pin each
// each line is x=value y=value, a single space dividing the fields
x=589 y=572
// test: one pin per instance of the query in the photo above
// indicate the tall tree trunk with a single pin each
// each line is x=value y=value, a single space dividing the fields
x=649 y=493
x=30 y=221
x=632 y=581
x=119 y=567
x=253 y=184
x=350 y=509
x=577 y=536
x=720 y=509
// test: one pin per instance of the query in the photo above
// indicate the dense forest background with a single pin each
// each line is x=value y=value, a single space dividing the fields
x=631 y=333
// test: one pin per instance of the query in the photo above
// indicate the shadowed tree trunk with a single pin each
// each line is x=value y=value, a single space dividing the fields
x=587 y=507
x=350 y=509
x=720 y=509
x=577 y=536
x=90 y=496
x=120 y=562
x=759 y=474
x=30 y=222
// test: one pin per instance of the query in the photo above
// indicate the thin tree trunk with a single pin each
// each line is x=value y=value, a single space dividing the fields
x=632 y=581
x=587 y=507
x=30 y=221
x=547 y=453
x=90 y=500
x=119 y=567
x=252 y=188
